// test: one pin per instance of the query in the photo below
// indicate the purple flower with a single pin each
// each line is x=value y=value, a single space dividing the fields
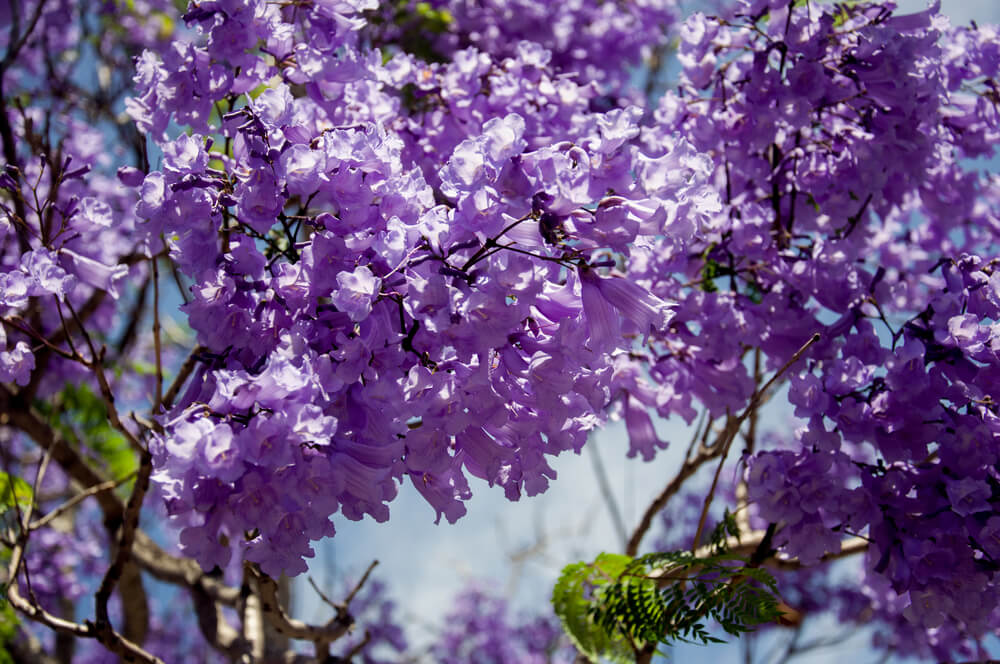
x=927 y=609
x=93 y=213
x=184 y=155
x=479 y=160
x=606 y=297
x=14 y=289
x=355 y=292
x=220 y=457
x=641 y=433
x=93 y=272
x=968 y=496
x=260 y=201
x=303 y=169
x=45 y=274
x=17 y=364
x=152 y=195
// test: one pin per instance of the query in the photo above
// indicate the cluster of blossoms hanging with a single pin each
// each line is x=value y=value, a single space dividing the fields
x=397 y=292
x=418 y=242
x=843 y=142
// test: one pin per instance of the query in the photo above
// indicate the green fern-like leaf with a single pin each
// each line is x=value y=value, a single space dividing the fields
x=617 y=603
x=577 y=586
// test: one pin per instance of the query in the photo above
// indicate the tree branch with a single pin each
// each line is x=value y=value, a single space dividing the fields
x=117 y=570
x=690 y=467
x=733 y=425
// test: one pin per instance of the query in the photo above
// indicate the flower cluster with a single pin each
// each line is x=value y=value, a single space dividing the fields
x=591 y=41
x=836 y=137
x=480 y=626
x=425 y=260
x=398 y=271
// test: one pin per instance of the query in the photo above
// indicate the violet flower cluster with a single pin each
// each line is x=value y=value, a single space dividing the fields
x=590 y=41
x=458 y=257
x=839 y=141
x=480 y=627
x=370 y=311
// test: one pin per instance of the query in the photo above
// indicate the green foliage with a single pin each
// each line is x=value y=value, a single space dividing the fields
x=572 y=599
x=81 y=417
x=709 y=271
x=728 y=527
x=662 y=597
x=13 y=490
x=15 y=496
x=8 y=630
x=415 y=22
x=618 y=604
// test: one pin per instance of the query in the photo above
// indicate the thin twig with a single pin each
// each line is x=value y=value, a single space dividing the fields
x=96 y=363
x=79 y=498
x=606 y=493
x=111 y=639
x=42 y=467
x=326 y=600
x=733 y=425
x=130 y=524
x=359 y=584
x=158 y=392
x=282 y=623
x=691 y=465
x=358 y=647
x=182 y=375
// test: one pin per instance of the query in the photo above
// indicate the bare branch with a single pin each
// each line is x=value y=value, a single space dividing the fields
x=110 y=639
x=182 y=375
x=358 y=647
x=126 y=539
x=214 y=627
x=690 y=467
x=158 y=349
x=606 y=493
x=162 y=565
x=180 y=571
x=733 y=425
x=15 y=411
x=361 y=582
x=26 y=647
x=96 y=363
x=755 y=543
x=275 y=614
x=77 y=499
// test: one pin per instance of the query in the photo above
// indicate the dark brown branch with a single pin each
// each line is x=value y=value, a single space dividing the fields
x=110 y=639
x=157 y=347
x=17 y=42
x=182 y=375
x=123 y=553
x=64 y=333
x=134 y=318
x=159 y=563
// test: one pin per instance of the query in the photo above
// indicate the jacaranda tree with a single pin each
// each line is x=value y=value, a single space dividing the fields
x=263 y=261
